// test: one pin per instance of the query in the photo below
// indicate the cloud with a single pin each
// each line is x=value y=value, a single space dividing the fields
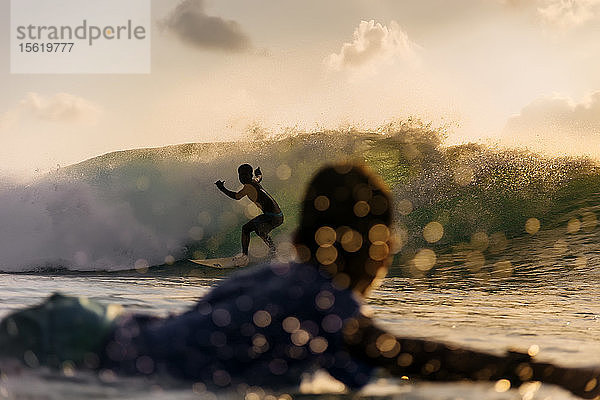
x=568 y=13
x=559 y=124
x=562 y=14
x=372 y=45
x=62 y=107
x=190 y=23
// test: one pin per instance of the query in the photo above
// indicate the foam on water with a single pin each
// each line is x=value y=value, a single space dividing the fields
x=140 y=208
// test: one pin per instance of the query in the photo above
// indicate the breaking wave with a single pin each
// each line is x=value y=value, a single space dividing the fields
x=139 y=208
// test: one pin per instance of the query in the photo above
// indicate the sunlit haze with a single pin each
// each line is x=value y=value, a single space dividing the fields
x=517 y=73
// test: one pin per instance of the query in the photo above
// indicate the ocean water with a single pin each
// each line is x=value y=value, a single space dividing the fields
x=553 y=306
x=500 y=249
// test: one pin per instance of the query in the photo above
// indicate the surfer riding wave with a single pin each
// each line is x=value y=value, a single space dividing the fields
x=271 y=216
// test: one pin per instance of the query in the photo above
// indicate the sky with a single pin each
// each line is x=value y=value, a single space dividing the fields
x=507 y=72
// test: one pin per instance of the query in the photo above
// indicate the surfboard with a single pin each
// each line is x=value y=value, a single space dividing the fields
x=221 y=263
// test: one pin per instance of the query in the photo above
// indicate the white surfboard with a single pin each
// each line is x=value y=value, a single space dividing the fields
x=221 y=263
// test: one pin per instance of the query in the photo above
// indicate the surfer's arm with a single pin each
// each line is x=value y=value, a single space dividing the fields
x=425 y=359
x=243 y=192
x=429 y=360
x=235 y=196
x=229 y=193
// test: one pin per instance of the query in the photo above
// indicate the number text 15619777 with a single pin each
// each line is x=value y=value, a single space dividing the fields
x=53 y=47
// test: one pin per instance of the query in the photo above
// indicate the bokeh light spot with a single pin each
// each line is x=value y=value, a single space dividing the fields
x=361 y=209
x=221 y=317
x=532 y=226
x=378 y=204
x=283 y=172
x=503 y=269
x=379 y=251
x=318 y=345
x=385 y=342
x=573 y=225
x=141 y=265
x=326 y=255
x=480 y=241
x=424 y=260
x=332 y=323
x=196 y=233
x=341 y=281
x=169 y=260
x=498 y=242
x=581 y=261
x=351 y=241
x=291 y=324
x=502 y=385
x=261 y=318
x=404 y=360
x=463 y=175
x=475 y=260
x=325 y=236
x=560 y=247
x=324 y=300
x=321 y=203
x=433 y=232
x=204 y=218
x=405 y=207
x=300 y=337
x=533 y=350
x=379 y=233
x=221 y=378
x=303 y=253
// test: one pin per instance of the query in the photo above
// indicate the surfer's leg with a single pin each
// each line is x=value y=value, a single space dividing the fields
x=246 y=230
x=269 y=241
x=251 y=226
x=264 y=226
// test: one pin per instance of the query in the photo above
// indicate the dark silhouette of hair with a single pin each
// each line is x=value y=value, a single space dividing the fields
x=245 y=173
x=245 y=169
x=345 y=220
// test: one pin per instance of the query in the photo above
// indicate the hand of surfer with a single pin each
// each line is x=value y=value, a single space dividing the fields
x=220 y=184
x=257 y=172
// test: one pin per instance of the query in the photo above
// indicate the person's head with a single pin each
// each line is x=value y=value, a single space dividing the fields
x=245 y=173
x=345 y=225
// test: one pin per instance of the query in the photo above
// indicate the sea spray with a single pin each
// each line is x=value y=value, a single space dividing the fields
x=138 y=208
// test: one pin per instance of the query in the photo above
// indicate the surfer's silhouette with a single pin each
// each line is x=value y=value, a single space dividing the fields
x=271 y=216
x=268 y=325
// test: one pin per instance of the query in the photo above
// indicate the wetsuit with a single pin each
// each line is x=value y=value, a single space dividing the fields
x=271 y=217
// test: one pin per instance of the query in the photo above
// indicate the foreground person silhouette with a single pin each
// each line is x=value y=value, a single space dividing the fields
x=268 y=325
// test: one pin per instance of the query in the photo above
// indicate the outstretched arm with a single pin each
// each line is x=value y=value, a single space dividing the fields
x=429 y=360
x=222 y=188
x=233 y=195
